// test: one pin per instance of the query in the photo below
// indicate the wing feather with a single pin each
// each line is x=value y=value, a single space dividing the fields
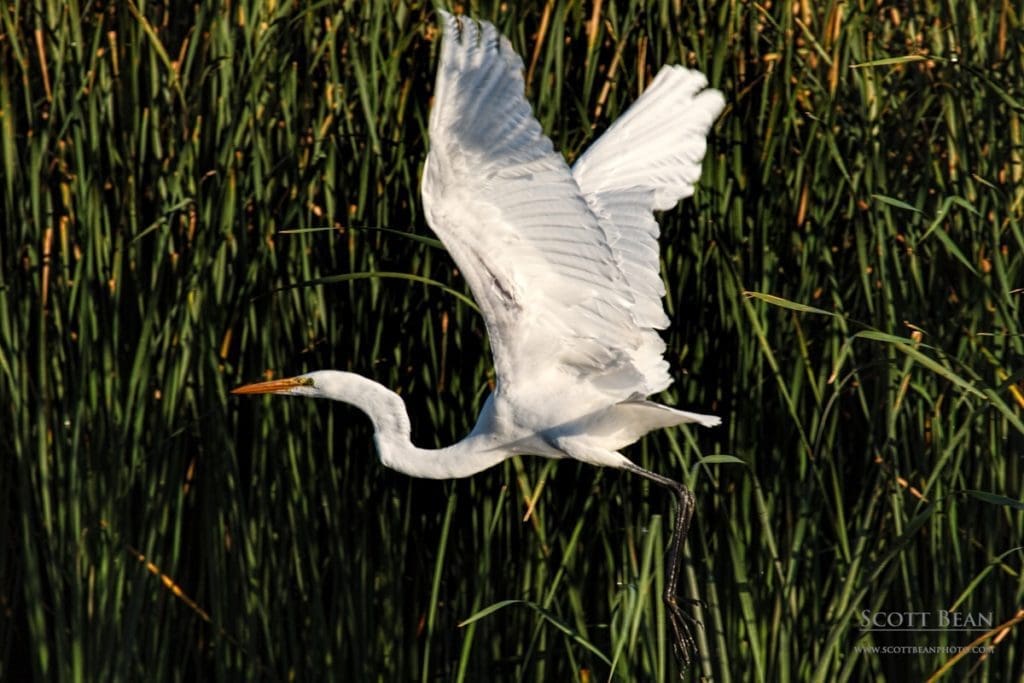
x=658 y=143
x=648 y=160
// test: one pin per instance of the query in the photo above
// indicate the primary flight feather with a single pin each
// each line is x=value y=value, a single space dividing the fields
x=563 y=263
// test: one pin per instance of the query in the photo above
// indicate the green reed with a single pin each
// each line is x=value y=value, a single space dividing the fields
x=845 y=290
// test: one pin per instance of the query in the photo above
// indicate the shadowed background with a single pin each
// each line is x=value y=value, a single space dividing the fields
x=845 y=291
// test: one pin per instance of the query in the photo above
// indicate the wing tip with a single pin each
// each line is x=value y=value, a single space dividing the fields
x=467 y=42
x=693 y=83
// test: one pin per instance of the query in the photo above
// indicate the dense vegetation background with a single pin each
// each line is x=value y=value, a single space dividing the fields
x=845 y=290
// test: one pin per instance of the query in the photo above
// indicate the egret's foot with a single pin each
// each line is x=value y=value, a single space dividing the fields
x=683 y=624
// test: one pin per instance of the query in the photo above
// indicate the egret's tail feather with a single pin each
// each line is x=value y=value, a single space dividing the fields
x=624 y=423
x=663 y=416
x=702 y=420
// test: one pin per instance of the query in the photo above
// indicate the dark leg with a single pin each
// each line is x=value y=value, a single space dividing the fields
x=683 y=642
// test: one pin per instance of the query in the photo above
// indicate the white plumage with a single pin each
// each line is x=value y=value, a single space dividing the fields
x=562 y=262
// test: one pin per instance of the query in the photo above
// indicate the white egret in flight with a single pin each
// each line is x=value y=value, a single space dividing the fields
x=563 y=263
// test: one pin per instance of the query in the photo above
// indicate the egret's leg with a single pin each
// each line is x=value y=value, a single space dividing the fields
x=684 y=644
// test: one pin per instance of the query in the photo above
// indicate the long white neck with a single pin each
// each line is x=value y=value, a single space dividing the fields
x=392 y=430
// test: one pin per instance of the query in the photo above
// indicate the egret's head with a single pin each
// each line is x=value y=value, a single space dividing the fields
x=384 y=406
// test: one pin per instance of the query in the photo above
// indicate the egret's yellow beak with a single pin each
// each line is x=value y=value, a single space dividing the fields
x=274 y=386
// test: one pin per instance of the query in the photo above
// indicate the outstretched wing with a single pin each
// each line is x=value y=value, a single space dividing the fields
x=550 y=271
x=648 y=160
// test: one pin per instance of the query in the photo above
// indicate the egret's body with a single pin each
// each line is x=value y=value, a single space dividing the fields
x=563 y=264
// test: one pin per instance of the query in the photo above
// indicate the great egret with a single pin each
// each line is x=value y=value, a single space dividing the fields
x=564 y=265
